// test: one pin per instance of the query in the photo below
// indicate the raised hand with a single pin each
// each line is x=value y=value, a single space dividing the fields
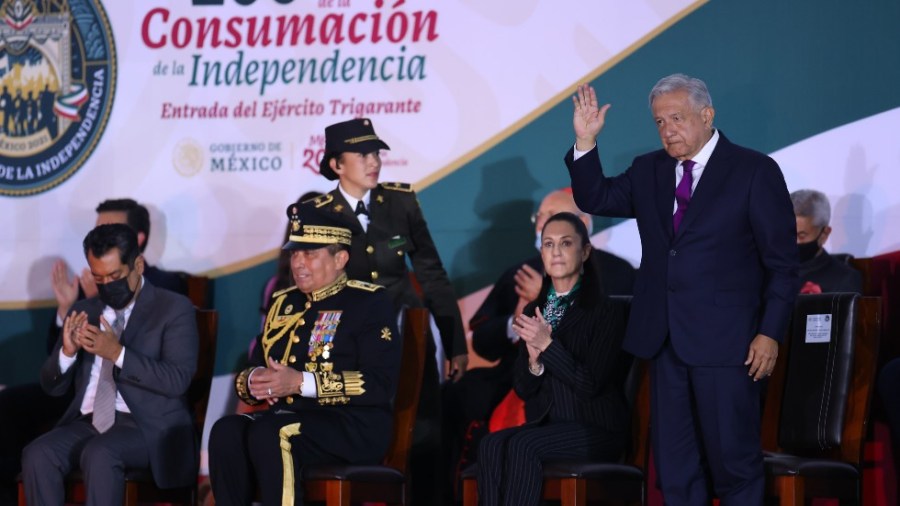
x=72 y=327
x=65 y=290
x=528 y=283
x=588 y=117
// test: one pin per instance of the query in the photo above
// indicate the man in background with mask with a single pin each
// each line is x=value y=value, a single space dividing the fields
x=819 y=271
x=130 y=352
x=474 y=397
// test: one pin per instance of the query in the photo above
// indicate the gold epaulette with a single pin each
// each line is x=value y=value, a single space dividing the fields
x=363 y=285
x=400 y=187
x=322 y=200
x=279 y=293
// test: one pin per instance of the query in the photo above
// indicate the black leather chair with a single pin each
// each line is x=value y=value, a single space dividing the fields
x=825 y=386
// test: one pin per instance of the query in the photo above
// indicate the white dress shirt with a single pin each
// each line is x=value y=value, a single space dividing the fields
x=363 y=218
x=87 y=404
x=700 y=161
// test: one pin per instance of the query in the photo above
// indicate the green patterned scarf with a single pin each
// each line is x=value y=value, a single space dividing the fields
x=557 y=305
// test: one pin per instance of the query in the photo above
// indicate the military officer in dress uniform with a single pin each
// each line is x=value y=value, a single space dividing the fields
x=327 y=363
x=393 y=228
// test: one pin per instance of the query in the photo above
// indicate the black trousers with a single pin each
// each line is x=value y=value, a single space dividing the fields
x=266 y=451
x=26 y=412
x=889 y=391
x=471 y=399
x=101 y=457
x=510 y=461
x=705 y=419
x=427 y=452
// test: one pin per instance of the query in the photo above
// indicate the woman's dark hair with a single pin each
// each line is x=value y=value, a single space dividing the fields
x=591 y=291
x=104 y=238
x=575 y=221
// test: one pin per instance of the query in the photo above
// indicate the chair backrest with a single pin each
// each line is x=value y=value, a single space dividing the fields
x=824 y=379
x=198 y=392
x=881 y=278
x=639 y=451
x=637 y=395
x=862 y=387
x=406 y=402
x=198 y=290
x=820 y=365
x=844 y=258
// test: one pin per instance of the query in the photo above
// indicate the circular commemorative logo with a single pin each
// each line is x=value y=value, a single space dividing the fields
x=57 y=82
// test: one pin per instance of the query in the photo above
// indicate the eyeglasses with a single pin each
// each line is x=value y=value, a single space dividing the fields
x=535 y=217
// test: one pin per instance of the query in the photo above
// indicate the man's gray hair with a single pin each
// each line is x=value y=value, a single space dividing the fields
x=812 y=204
x=696 y=89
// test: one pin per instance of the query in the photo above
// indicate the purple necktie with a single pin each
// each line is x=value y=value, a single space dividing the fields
x=683 y=193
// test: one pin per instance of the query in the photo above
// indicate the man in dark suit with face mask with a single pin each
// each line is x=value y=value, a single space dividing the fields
x=819 y=271
x=130 y=353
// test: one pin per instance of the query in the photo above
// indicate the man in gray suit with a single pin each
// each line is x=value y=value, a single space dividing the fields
x=131 y=352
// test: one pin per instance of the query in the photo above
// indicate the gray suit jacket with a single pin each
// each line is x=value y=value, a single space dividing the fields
x=161 y=346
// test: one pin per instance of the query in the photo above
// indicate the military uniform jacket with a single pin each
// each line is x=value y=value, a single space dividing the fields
x=396 y=229
x=345 y=335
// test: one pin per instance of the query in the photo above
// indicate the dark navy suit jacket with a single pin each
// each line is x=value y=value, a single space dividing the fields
x=729 y=273
x=161 y=346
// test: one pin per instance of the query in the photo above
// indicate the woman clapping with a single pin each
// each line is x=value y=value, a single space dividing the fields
x=570 y=373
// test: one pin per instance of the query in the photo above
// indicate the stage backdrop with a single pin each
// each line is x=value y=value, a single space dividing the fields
x=212 y=112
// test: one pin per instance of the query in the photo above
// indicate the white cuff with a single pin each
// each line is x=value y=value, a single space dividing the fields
x=308 y=388
x=66 y=362
x=120 y=360
x=576 y=154
x=510 y=333
x=250 y=376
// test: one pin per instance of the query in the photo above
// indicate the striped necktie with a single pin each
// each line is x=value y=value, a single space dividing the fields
x=105 y=399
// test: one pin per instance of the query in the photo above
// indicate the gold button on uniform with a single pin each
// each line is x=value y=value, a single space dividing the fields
x=292 y=359
x=295 y=339
x=370 y=249
x=399 y=253
x=289 y=400
x=374 y=275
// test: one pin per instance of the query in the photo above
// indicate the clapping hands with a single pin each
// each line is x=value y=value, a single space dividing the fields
x=534 y=330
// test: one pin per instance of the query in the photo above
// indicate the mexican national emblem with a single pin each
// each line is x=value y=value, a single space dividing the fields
x=57 y=82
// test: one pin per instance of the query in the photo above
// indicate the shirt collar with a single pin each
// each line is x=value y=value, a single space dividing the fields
x=702 y=157
x=353 y=200
x=110 y=313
